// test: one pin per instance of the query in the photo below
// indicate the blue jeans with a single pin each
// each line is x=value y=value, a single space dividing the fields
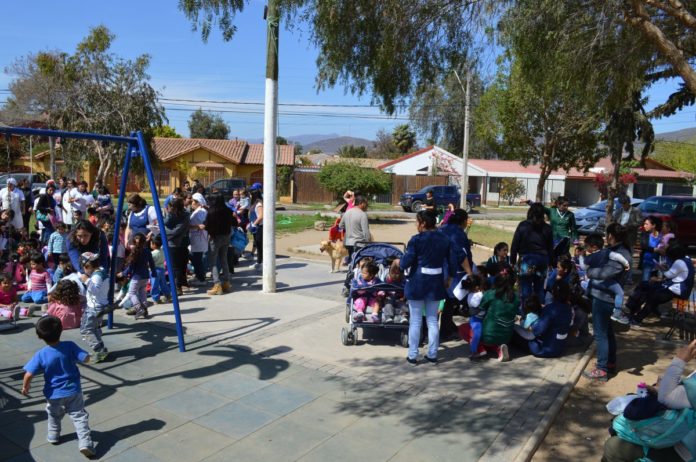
x=159 y=285
x=532 y=279
x=476 y=331
x=74 y=406
x=38 y=297
x=648 y=268
x=416 y=308
x=603 y=333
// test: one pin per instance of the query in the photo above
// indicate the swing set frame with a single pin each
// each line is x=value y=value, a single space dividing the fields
x=135 y=147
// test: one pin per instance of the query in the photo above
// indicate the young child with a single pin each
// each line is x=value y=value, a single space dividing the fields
x=63 y=268
x=137 y=265
x=669 y=228
x=474 y=286
x=395 y=307
x=532 y=310
x=598 y=257
x=65 y=304
x=8 y=299
x=499 y=261
x=97 y=293
x=39 y=281
x=58 y=362
x=578 y=255
x=362 y=299
x=562 y=272
x=158 y=283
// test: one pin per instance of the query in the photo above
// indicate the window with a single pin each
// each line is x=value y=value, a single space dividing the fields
x=676 y=189
x=644 y=190
x=494 y=185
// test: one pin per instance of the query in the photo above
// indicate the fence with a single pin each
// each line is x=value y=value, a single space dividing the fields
x=306 y=187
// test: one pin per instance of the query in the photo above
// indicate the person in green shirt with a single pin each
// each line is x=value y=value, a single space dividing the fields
x=563 y=226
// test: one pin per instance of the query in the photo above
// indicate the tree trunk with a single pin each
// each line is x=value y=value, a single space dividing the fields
x=52 y=156
x=542 y=183
x=613 y=188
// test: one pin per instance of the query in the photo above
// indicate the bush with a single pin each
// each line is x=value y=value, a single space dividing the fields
x=339 y=177
x=511 y=189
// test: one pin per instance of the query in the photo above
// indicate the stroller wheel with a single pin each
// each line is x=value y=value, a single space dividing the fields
x=346 y=336
x=348 y=313
x=404 y=339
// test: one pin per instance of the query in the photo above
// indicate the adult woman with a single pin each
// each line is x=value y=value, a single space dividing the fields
x=533 y=243
x=12 y=198
x=427 y=259
x=256 y=224
x=86 y=237
x=199 y=238
x=677 y=281
x=551 y=329
x=675 y=393
x=140 y=218
x=219 y=225
x=45 y=210
x=176 y=226
x=649 y=240
x=454 y=230
x=603 y=304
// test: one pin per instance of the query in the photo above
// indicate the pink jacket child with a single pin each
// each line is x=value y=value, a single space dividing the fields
x=9 y=299
x=66 y=304
x=363 y=299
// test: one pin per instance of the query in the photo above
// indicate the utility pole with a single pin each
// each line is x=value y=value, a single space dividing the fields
x=272 y=17
x=465 y=148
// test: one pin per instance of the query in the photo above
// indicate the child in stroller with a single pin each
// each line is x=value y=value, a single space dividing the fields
x=364 y=299
x=395 y=306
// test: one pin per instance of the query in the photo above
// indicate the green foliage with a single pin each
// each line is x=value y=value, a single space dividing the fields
x=165 y=131
x=208 y=125
x=339 y=177
x=281 y=141
x=511 y=189
x=676 y=154
x=205 y=14
x=284 y=173
x=404 y=138
x=315 y=151
x=350 y=151
x=384 y=147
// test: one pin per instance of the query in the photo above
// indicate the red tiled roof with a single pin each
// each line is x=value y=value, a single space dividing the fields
x=235 y=151
x=254 y=155
x=407 y=156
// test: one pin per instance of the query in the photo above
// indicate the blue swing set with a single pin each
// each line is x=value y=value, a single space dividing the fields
x=135 y=147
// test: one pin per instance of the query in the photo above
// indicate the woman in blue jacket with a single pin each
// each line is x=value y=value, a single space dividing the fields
x=428 y=263
x=88 y=238
x=461 y=246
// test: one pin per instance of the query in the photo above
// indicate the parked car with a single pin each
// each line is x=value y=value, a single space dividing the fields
x=443 y=195
x=679 y=209
x=37 y=180
x=591 y=219
x=225 y=186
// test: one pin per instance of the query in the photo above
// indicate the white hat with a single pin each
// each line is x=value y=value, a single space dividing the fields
x=12 y=181
x=198 y=197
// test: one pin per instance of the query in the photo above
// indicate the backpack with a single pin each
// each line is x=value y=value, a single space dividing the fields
x=662 y=431
x=239 y=240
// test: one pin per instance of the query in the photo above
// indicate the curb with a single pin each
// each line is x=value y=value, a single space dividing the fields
x=535 y=440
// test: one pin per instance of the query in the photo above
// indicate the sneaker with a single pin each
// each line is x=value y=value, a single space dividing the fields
x=99 y=356
x=596 y=374
x=404 y=320
x=141 y=314
x=504 y=354
x=257 y=266
x=131 y=311
x=53 y=438
x=88 y=452
x=620 y=317
x=389 y=320
x=359 y=316
x=635 y=324
x=15 y=313
x=478 y=355
x=430 y=360
x=413 y=361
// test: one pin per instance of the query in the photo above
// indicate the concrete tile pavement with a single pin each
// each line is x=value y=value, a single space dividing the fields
x=266 y=377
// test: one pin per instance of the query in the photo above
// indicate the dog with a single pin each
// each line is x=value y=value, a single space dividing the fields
x=337 y=252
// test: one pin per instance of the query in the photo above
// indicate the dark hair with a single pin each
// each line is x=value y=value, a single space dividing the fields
x=536 y=214
x=60 y=225
x=427 y=218
x=532 y=304
x=500 y=246
x=156 y=240
x=63 y=258
x=67 y=292
x=504 y=286
x=567 y=265
x=49 y=328
x=139 y=243
x=652 y=219
x=671 y=225
x=38 y=258
x=176 y=206
x=83 y=183
x=472 y=282
x=359 y=199
x=561 y=200
x=103 y=191
x=5 y=277
x=458 y=217
x=620 y=234
x=137 y=200
x=217 y=203
x=595 y=239
x=371 y=268
x=561 y=291
x=675 y=250
x=94 y=236
x=177 y=191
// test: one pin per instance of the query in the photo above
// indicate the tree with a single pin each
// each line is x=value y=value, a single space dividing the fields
x=281 y=141
x=678 y=155
x=511 y=189
x=384 y=147
x=339 y=177
x=208 y=125
x=165 y=131
x=404 y=138
x=350 y=151
x=285 y=173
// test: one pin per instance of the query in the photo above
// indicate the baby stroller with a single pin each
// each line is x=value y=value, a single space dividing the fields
x=382 y=253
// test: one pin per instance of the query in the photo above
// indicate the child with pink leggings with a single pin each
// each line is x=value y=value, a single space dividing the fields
x=363 y=299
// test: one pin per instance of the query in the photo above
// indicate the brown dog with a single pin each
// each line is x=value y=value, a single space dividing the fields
x=337 y=252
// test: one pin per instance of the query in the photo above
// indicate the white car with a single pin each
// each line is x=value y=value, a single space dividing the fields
x=591 y=219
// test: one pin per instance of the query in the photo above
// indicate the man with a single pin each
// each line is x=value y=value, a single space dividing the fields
x=629 y=217
x=563 y=226
x=12 y=198
x=87 y=198
x=429 y=202
x=354 y=221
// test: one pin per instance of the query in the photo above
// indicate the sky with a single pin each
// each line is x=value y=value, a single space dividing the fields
x=185 y=68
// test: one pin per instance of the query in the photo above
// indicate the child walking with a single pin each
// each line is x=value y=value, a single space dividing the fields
x=97 y=293
x=65 y=304
x=58 y=362
x=137 y=265
x=39 y=281
x=159 y=287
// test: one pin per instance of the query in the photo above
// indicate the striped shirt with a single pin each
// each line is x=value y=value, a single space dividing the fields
x=40 y=282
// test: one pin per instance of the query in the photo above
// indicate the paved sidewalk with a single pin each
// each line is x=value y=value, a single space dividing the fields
x=265 y=377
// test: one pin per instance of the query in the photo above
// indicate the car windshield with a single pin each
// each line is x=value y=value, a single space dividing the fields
x=601 y=206
x=664 y=205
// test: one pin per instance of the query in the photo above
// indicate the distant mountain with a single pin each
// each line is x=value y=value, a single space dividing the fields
x=678 y=135
x=304 y=140
x=332 y=145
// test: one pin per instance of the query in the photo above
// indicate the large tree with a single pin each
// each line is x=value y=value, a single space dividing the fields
x=208 y=125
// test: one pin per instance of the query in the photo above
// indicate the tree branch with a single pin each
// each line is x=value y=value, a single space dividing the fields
x=675 y=9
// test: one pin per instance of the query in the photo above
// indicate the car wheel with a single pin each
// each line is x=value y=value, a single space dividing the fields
x=417 y=206
x=406 y=209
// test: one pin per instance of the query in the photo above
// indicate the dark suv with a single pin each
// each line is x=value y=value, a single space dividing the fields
x=225 y=186
x=678 y=209
x=443 y=195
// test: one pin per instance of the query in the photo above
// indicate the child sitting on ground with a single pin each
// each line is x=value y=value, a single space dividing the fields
x=362 y=299
x=8 y=299
x=139 y=267
x=599 y=257
x=532 y=310
x=97 y=293
x=474 y=286
x=158 y=283
x=39 y=281
x=395 y=307
x=58 y=362
x=562 y=272
x=65 y=303
x=499 y=260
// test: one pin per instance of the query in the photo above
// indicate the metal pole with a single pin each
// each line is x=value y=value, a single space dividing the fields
x=269 y=148
x=465 y=148
x=31 y=158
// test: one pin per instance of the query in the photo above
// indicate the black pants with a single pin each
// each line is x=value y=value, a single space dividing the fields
x=179 y=257
x=646 y=298
x=258 y=242
x=447 y=325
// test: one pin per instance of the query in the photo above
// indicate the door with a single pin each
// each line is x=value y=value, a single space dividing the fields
x=685 y=219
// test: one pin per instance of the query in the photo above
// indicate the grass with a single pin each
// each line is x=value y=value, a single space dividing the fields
x=489 y=236
x=290 y=224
